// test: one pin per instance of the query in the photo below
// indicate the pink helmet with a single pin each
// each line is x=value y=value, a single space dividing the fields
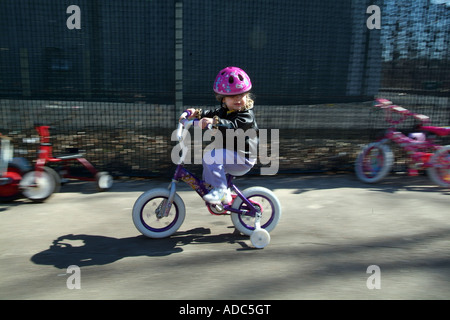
x=232 y=81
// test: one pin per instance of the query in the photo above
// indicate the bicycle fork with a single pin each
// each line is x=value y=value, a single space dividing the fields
x=165 y=205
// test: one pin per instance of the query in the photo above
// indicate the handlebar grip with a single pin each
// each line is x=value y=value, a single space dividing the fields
x=183 y=116
x=186 y=114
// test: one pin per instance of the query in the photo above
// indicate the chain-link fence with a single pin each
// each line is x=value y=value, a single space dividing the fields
x=113 y=76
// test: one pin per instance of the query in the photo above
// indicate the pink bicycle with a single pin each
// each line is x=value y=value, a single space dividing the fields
x=375 y=160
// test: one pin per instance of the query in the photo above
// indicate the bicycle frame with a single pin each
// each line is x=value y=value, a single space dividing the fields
x=46 y=155
x=181 y=174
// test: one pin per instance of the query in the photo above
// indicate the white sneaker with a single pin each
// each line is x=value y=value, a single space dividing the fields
x=218 y=196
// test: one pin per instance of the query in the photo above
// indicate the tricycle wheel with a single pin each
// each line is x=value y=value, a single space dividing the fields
x=104 y=181
x=38 y=186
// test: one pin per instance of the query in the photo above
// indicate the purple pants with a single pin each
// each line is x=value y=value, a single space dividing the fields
x=218 y=162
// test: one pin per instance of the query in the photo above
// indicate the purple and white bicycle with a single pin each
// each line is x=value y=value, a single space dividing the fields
x=159 y=213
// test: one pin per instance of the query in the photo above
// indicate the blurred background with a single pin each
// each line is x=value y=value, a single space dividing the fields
x=111 y=77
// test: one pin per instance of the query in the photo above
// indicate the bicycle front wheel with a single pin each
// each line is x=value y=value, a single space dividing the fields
x=148 y=215
x=265 y=201
x=374 y=162
x=439 y=173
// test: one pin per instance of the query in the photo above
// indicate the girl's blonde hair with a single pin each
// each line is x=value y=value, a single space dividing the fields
x=248 y=105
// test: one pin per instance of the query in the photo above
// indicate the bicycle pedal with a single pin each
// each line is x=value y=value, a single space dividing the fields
x=218 y=209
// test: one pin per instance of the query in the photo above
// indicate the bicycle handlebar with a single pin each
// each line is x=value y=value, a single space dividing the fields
x=185 y=123
x=389 y=108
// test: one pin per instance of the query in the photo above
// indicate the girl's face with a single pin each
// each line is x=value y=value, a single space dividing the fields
x=236 y=102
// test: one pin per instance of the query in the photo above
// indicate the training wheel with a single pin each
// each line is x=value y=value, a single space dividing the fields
x=260 y=238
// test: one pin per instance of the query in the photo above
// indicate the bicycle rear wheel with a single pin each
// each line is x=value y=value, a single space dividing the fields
x=148 y=215
x=439 y=173
x=374 y=162
x=265 y=201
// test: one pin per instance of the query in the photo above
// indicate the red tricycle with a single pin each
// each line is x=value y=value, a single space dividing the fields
x=40 y=183
x=11 y=171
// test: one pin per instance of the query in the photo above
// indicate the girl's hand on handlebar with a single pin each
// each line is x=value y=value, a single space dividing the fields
x=191 y=113
x=203 y=122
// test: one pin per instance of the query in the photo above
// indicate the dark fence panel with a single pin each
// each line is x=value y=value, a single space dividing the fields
x=296 y=51
x=123 y=51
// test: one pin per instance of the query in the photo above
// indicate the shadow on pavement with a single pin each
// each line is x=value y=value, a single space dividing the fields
x=88 y=250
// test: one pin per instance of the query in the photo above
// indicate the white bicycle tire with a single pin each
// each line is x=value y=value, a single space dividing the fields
x=433 y=172
x=388 y=157
x=264 y=192
x=143 y=200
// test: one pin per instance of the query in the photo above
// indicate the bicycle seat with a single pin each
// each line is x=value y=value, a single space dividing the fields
x=440 y=131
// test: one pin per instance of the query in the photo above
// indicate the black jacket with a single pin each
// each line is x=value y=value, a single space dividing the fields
x=234 y=120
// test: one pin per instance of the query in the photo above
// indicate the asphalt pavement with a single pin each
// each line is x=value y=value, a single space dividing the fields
x=338 y=238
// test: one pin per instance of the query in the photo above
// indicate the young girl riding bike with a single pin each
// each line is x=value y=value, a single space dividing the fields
x=232 y=89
